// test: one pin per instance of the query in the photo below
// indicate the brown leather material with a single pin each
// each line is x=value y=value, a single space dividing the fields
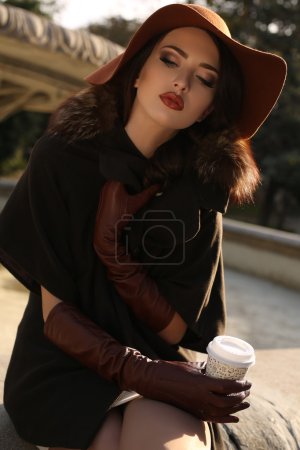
x=181 y=384
x=138 y=290
x=81 y=338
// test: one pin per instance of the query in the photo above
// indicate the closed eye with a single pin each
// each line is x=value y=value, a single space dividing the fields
x=167 y=61
x=210 y=84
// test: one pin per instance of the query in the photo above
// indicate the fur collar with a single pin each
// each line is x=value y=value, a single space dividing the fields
x=79 y=116
x=220 y=158
x=228 y=162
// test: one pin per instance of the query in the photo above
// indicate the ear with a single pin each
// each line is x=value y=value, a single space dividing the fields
x=206 y=113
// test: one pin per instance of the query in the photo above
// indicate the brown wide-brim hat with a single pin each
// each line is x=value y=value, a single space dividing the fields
x=264 y=73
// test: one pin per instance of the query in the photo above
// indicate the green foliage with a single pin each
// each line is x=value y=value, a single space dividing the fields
x=15 y=164
x=116 y=29
x=19 y=132
x=273 y=25
x=17 y=136
x=44 y=8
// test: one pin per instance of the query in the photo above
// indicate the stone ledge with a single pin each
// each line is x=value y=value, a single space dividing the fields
x=7 y=185
x=263 y=427
x=262 y=252
x=9 y=440
x=277 y=241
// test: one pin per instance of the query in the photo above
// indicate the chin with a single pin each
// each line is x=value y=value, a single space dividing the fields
x=168 y=123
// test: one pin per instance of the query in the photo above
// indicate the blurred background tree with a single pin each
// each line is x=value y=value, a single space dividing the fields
x=271 y=25
x=44 y=8
x=19 y=132
x=115 y=29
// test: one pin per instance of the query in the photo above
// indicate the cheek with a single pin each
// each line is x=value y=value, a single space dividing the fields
x=148 y=85
x=142 y=83
x=151 y=77
x=202 y=101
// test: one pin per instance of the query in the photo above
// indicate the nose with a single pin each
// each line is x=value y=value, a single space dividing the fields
x=181 y=83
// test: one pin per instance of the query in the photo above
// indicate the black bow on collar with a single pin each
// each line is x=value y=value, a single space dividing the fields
x=119 y=159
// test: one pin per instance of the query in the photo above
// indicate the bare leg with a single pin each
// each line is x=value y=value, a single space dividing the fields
x=151 y=425
x=108 y=436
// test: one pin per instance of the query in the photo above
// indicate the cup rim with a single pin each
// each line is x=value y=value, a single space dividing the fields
x=244 y=360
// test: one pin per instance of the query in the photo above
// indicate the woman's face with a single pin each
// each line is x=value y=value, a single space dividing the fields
x=177 y=84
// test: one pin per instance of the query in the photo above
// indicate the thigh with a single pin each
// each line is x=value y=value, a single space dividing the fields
x=108 y=436
x=151 y=425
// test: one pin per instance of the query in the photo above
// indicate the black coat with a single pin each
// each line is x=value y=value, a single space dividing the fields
x=46 y=231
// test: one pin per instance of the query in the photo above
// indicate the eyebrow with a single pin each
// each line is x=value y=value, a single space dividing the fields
x=185 y=55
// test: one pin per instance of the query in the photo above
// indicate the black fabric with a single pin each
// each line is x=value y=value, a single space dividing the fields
x=46 y=232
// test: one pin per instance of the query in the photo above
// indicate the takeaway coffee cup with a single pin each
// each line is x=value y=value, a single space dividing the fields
x=229 y=357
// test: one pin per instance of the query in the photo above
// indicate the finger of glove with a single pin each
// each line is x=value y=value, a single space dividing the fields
x=137 y=201
x=237 y=408
x=120 y=202
x=116 y=193
x=223 y=401
x=221 y=412
x=112 y=209
x=226 y=387
x=226 y=416
x=112 y=198
x=223 y=419
x=206 y=416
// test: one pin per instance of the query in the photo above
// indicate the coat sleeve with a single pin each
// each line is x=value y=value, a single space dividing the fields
x=34 y=225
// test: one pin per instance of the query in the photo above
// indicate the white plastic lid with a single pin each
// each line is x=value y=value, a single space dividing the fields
x=231 y=350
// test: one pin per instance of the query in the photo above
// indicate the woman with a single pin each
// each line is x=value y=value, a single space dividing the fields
x=161 y=134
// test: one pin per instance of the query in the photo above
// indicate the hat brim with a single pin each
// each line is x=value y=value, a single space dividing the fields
x=264 y=73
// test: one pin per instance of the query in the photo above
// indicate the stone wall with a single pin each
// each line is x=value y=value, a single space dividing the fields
x=263 y=252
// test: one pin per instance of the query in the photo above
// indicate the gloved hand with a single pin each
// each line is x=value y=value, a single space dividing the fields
x=138 y=290
x=181 y=384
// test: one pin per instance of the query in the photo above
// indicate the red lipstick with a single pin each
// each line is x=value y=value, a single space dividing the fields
x=172 y=100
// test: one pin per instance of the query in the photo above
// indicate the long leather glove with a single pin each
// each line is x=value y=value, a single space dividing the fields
x=178 y=383
x=131 y=280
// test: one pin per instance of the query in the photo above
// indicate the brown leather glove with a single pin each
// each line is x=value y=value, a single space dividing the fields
x=136 y=288
x=178 y=383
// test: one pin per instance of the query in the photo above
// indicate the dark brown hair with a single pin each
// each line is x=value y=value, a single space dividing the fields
x=192 y=147
x=124 y=80
x=228 y=97
x=187 y=150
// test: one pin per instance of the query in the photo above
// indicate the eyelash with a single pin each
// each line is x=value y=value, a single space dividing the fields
x=167 y=62
x=207 y=83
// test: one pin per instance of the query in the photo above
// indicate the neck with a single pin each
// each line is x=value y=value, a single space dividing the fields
x=147 y=137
